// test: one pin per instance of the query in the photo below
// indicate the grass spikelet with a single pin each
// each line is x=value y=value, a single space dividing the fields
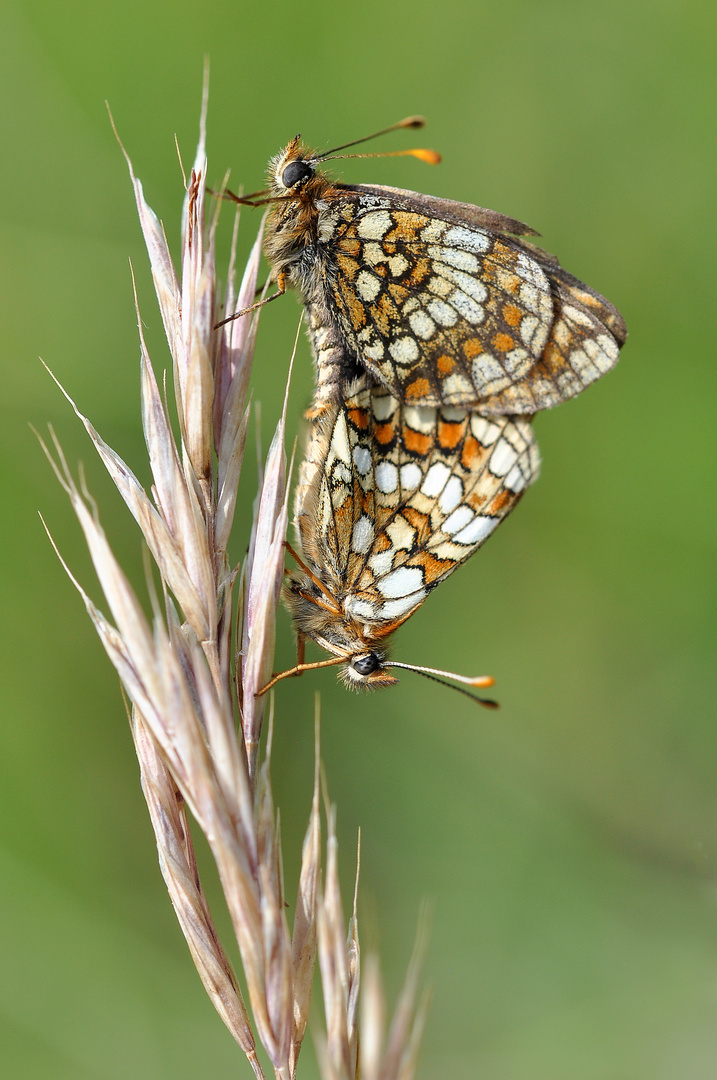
x=194 y=717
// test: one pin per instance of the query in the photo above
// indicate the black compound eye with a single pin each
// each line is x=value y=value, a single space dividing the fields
x=364 y=665
x=295 y=172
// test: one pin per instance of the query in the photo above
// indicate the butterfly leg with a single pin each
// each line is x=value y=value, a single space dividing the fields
x=281 y=287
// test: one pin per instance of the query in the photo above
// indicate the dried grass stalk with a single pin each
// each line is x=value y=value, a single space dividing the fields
x=195 y=719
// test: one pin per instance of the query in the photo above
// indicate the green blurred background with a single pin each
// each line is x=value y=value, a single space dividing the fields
x=569 y=841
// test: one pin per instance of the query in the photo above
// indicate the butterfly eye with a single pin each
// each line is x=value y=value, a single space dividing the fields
x=364 y=665
x=295 y=172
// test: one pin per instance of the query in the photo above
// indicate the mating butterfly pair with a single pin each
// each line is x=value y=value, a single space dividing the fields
x=437 y=333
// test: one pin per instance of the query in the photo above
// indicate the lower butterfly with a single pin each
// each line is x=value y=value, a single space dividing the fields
x=392 y=498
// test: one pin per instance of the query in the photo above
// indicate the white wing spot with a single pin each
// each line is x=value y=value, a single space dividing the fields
x=362 y=536
x=381 y=562
x=467 y=239
x=485 y=432
x=393 y=609
x=375 y=225
x=386 y=477
x=436 y=478
x=410 y=476
x=361 y=609
x=458 y=520
x=576 y=316
x=468 y=284
x=420 y=418
x=503 y=458
x=451 y=495
x=515 y=480
x=486 y=370
x=517 y=359
x=401 y=582
x=362 y=459
x=476 y=530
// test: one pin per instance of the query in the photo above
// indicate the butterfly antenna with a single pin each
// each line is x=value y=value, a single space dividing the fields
x=429 y=156
x=439 y=676
x=408 y=122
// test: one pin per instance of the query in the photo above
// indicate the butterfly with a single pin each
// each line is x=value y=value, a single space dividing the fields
x=391 y=499
x=441 y=302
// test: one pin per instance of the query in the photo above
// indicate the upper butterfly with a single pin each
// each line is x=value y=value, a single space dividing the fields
x=438 y=300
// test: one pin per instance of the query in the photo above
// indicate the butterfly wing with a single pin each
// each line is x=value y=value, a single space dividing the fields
x=445 y=310
x=402 y=495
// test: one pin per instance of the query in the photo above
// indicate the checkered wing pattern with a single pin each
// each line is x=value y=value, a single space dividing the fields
x=395 y=497
x=449 y=312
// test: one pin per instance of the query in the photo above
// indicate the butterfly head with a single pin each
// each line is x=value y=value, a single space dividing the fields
x=291 y=169
x=359 y=647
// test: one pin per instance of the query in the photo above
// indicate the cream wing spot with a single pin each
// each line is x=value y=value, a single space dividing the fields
x=340 y=442
x=404 y=350
x=375 y=351
x=432 y=232
x=457 y=387
x=374 y=225
x=401 y=582
x=422 y=325
x=398 y=265
x=440 y=286
x=384 y=406
x=467 y=307
x=373 y=254
x=443 y=313
x=401 y=534
x=368 y=286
